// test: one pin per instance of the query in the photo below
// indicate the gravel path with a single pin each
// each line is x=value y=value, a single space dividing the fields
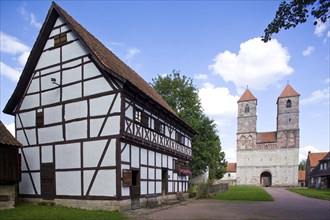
x=286 y=205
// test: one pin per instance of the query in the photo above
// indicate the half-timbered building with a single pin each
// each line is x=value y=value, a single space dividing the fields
x=94 y=133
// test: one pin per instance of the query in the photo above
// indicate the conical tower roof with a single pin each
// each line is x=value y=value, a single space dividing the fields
x=247 y=96
x=288 y=92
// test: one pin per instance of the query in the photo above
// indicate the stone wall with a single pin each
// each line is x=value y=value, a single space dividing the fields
x=7 y=196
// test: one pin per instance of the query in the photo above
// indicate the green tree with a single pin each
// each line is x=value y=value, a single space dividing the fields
x=302 y=165
x=290 y=14
x=182 y=95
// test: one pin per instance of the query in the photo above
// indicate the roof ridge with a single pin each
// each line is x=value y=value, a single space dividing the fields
x=288 y=91
x=247 y=96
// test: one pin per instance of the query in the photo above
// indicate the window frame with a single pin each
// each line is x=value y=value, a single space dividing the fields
x=288 y=104
x=60 y=39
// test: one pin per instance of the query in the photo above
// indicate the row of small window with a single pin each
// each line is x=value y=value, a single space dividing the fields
x=159 y=127
x=323 y=166
x=288 y=105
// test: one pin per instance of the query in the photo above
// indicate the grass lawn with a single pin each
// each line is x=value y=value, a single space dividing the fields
x=34 y=211
x=244 y=193
x=313 y=193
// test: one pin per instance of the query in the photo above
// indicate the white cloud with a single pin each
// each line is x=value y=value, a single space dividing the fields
x=257 y=64
x=318 y=96
x=303 y=152
x=11 y=128
x=200 y=76
x=12 y=45
x=30 y=17
x=230 y=154
x=308 y=51
x=9 y=72
x=327 y=81
x=320 y=28
x=131 y=52
x=218 y=102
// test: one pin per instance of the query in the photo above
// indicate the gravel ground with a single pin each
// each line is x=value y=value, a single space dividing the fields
x=286 y=205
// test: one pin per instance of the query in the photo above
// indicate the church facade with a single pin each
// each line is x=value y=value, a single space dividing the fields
x=268 y=158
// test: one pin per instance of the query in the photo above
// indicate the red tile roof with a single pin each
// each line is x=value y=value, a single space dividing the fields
x=314 y=158
x=288 y=92
x=6 y=138
x=301 y=175
x=231 y=167
x=247 y=96
x=266 y=137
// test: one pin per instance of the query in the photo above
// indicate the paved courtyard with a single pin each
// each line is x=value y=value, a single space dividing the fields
x=286 y=205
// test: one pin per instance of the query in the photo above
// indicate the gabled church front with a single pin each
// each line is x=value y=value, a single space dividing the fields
x=268 y=158
x=94 y=133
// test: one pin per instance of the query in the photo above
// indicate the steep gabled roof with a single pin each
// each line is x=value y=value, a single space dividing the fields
x=301 y=175
x=105 y=59
x=231 y=167
x=6 y=138
x=314 y=158
x=288 y=92
x=247 y=96
x=324 y=171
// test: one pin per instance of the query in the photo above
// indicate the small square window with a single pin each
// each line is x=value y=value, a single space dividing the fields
x=60 y=39
x=180 y=138
x=159 y=126
x=141 y=117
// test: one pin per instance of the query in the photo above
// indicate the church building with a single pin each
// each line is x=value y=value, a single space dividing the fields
x=268 y=158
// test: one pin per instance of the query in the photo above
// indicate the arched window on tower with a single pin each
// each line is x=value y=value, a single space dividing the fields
x=247 y=108
x=288 y=103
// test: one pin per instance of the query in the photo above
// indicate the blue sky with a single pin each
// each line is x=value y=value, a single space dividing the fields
x=216 y=43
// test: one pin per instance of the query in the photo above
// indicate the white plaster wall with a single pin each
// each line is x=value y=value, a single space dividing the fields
x=48 y=58
x=92 y=152
x=144 y=187
x=31 y=136
x=170 y=174
x=53 y=115
x=21 y=137
x=46 y=82
x=151 y=173
x=129 y=112
x=67 y=156
x=47 y=154
x=50 y=70
x=104 y=184
x=112 y=126
x=50 y=134
x=90 y=70
x=72 y=50
x=30 y=101
x=32 y=157
x=34 y=86
x=76 y=110
x=26 y=187
x=158 y=174
x=101 y=105
x=72 y=75
x=28 y=119
x=71 y=92
x=164 y=161
x=96 y=86
x=151 y=155
x=135 y=157
x=151 y=185
x=170 y=162
x=110 y=155
x=125 y=155
x=144 y=173
x=158 y=159
x=170 y=187
x=95 y=126
x=144 y=156
x=158 y=187
x=68 y=183
x=76 y=130
x=50 y=97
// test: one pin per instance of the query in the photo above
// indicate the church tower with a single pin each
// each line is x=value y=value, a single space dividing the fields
x=246 y=120
x=288 y=110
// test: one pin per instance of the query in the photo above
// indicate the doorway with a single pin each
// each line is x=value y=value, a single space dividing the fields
x=135 y=190
x=266 y=179
x=47 y=175
x=164 y=181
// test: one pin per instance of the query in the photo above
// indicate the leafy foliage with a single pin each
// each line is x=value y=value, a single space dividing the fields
x=182 y=95
x=302 y=165
x=290 y=14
